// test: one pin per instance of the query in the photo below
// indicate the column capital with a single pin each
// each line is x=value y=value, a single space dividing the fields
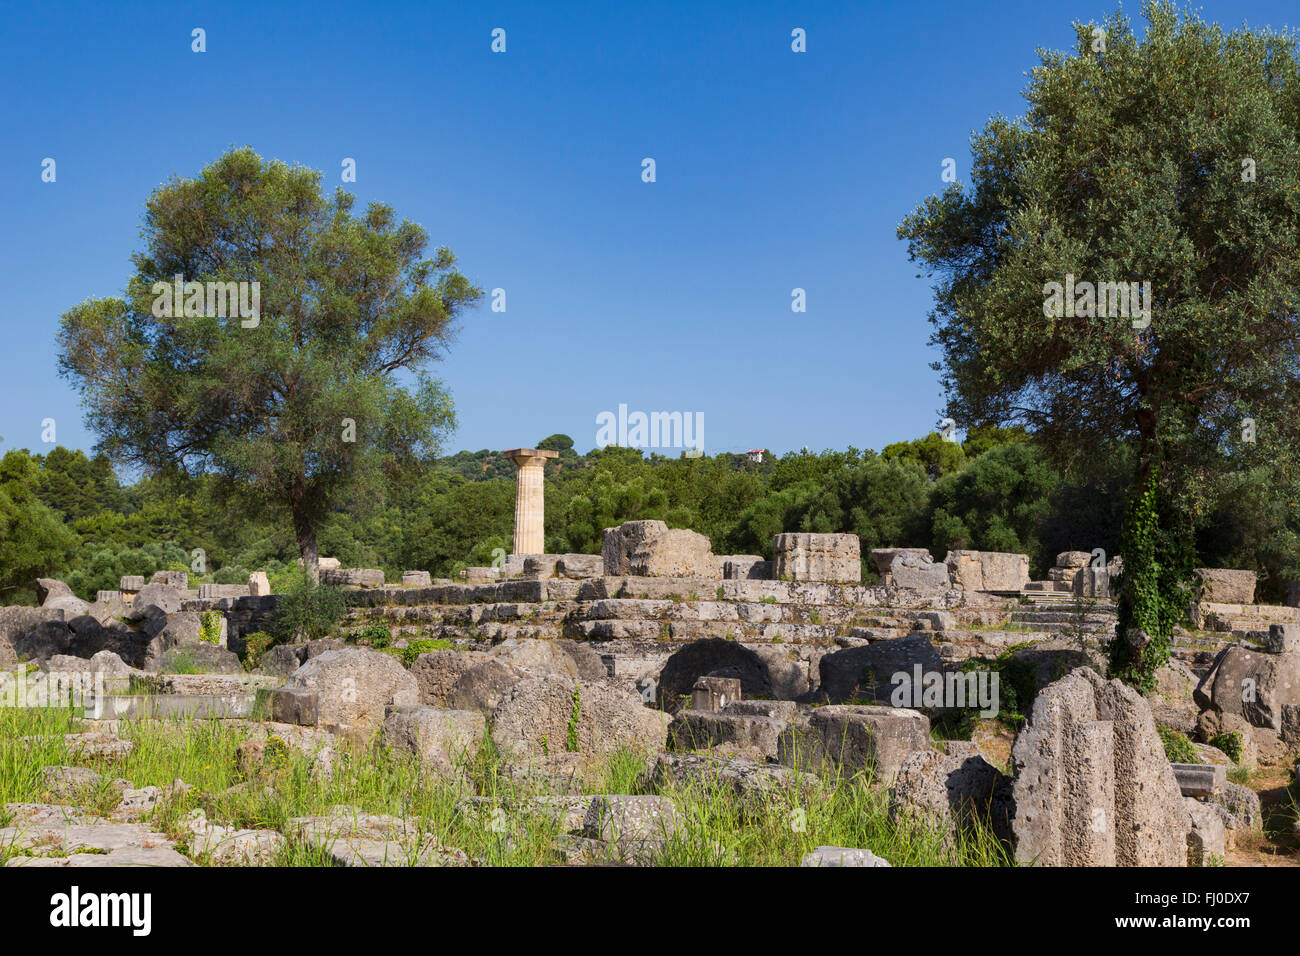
x=522 y=456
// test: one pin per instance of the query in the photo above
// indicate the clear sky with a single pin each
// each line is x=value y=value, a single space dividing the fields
x=775 y=170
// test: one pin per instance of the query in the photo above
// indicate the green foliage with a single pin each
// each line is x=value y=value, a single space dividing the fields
x=255 y=646
x=180 y=660
x=571 y=730
x=33 y=539
x=1219 y=253
x=997 y=503
x=308 y=610
x=1231 y=743
x=1154 y=588
x=210 y=627
x=1177 y=747
x=937 y=455
x=375 y=635
x=347 y=303
x=415 y=648
x=560 y=443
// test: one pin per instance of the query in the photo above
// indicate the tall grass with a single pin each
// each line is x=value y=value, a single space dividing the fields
x=480 y=809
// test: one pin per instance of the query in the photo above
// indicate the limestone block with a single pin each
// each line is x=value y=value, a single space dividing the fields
x=1226 y=586
x=714 y=693
x=910 y=570
x=353 y=577
x=1092 y=785
x=851 y=738
x=883 y=558
x=987 y=570
x=652 y=549
x=817 y=557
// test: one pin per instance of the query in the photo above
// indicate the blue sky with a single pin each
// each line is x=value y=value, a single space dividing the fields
x=775 y=170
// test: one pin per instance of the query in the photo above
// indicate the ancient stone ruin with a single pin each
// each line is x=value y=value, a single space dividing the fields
x=763 y=675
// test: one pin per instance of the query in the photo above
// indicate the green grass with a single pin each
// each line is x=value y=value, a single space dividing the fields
x=505 y=827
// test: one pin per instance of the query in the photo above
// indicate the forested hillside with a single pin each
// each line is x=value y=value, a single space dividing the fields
x=63 y=513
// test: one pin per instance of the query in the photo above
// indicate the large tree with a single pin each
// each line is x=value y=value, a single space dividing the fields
x=33 y=539
x=1171 y=160
x=303 y=406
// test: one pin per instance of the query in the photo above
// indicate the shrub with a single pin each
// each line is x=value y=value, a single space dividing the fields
x=1177 y=747
x=376 y=635
x=255 y=646
x=308 y=610
x=415 y=648
x=210 y=627
x=1230 y=742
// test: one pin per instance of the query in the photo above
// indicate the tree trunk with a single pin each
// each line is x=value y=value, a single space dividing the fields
x=306 y=535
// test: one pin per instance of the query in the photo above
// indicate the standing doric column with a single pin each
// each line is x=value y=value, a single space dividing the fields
x=530 y=537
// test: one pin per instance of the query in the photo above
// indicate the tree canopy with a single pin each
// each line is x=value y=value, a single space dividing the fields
x=299 y=403
x=1124 y=264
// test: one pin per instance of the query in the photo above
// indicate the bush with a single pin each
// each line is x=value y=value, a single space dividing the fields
x=210 y=627
x=1230 y=742
x=415 y=648
x=255 y=646
x=1177 y=747
x=308 y=610
x=376 y=635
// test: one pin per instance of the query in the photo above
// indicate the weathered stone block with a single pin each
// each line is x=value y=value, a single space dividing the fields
x=712 y=656
x=652 y=549
x=1262 y=688
x=131 y=582
x=1199 y=779
x=580 y=567
x=866 y=673
x=540 y=566
x=259 y=585
x=951 y=791
x=883 y=558
x=842 y=856
x=354 y=687
x=1226 y=586
x=714 y=693
x=744 y=567
x=1093 y=786
x=1206 y=832
x=416 y=579
x=213 y=592
x=988 y=570
x=1092 y=583
x=353 y=577
x=1284 y=638
x=801 y=556
x=441 y=739
x=854 y=738
x=909 y=570
x=539 y=714
x=634 y=824
x=295 y=705
x=701 y=729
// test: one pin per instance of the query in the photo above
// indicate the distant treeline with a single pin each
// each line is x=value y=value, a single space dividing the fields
x=67 y=515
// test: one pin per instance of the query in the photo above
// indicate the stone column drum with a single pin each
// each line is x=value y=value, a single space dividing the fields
x=530 y=537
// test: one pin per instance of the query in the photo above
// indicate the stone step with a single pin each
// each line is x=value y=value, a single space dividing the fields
x=174 y=707
x=206 y=684
x=1060 y=617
